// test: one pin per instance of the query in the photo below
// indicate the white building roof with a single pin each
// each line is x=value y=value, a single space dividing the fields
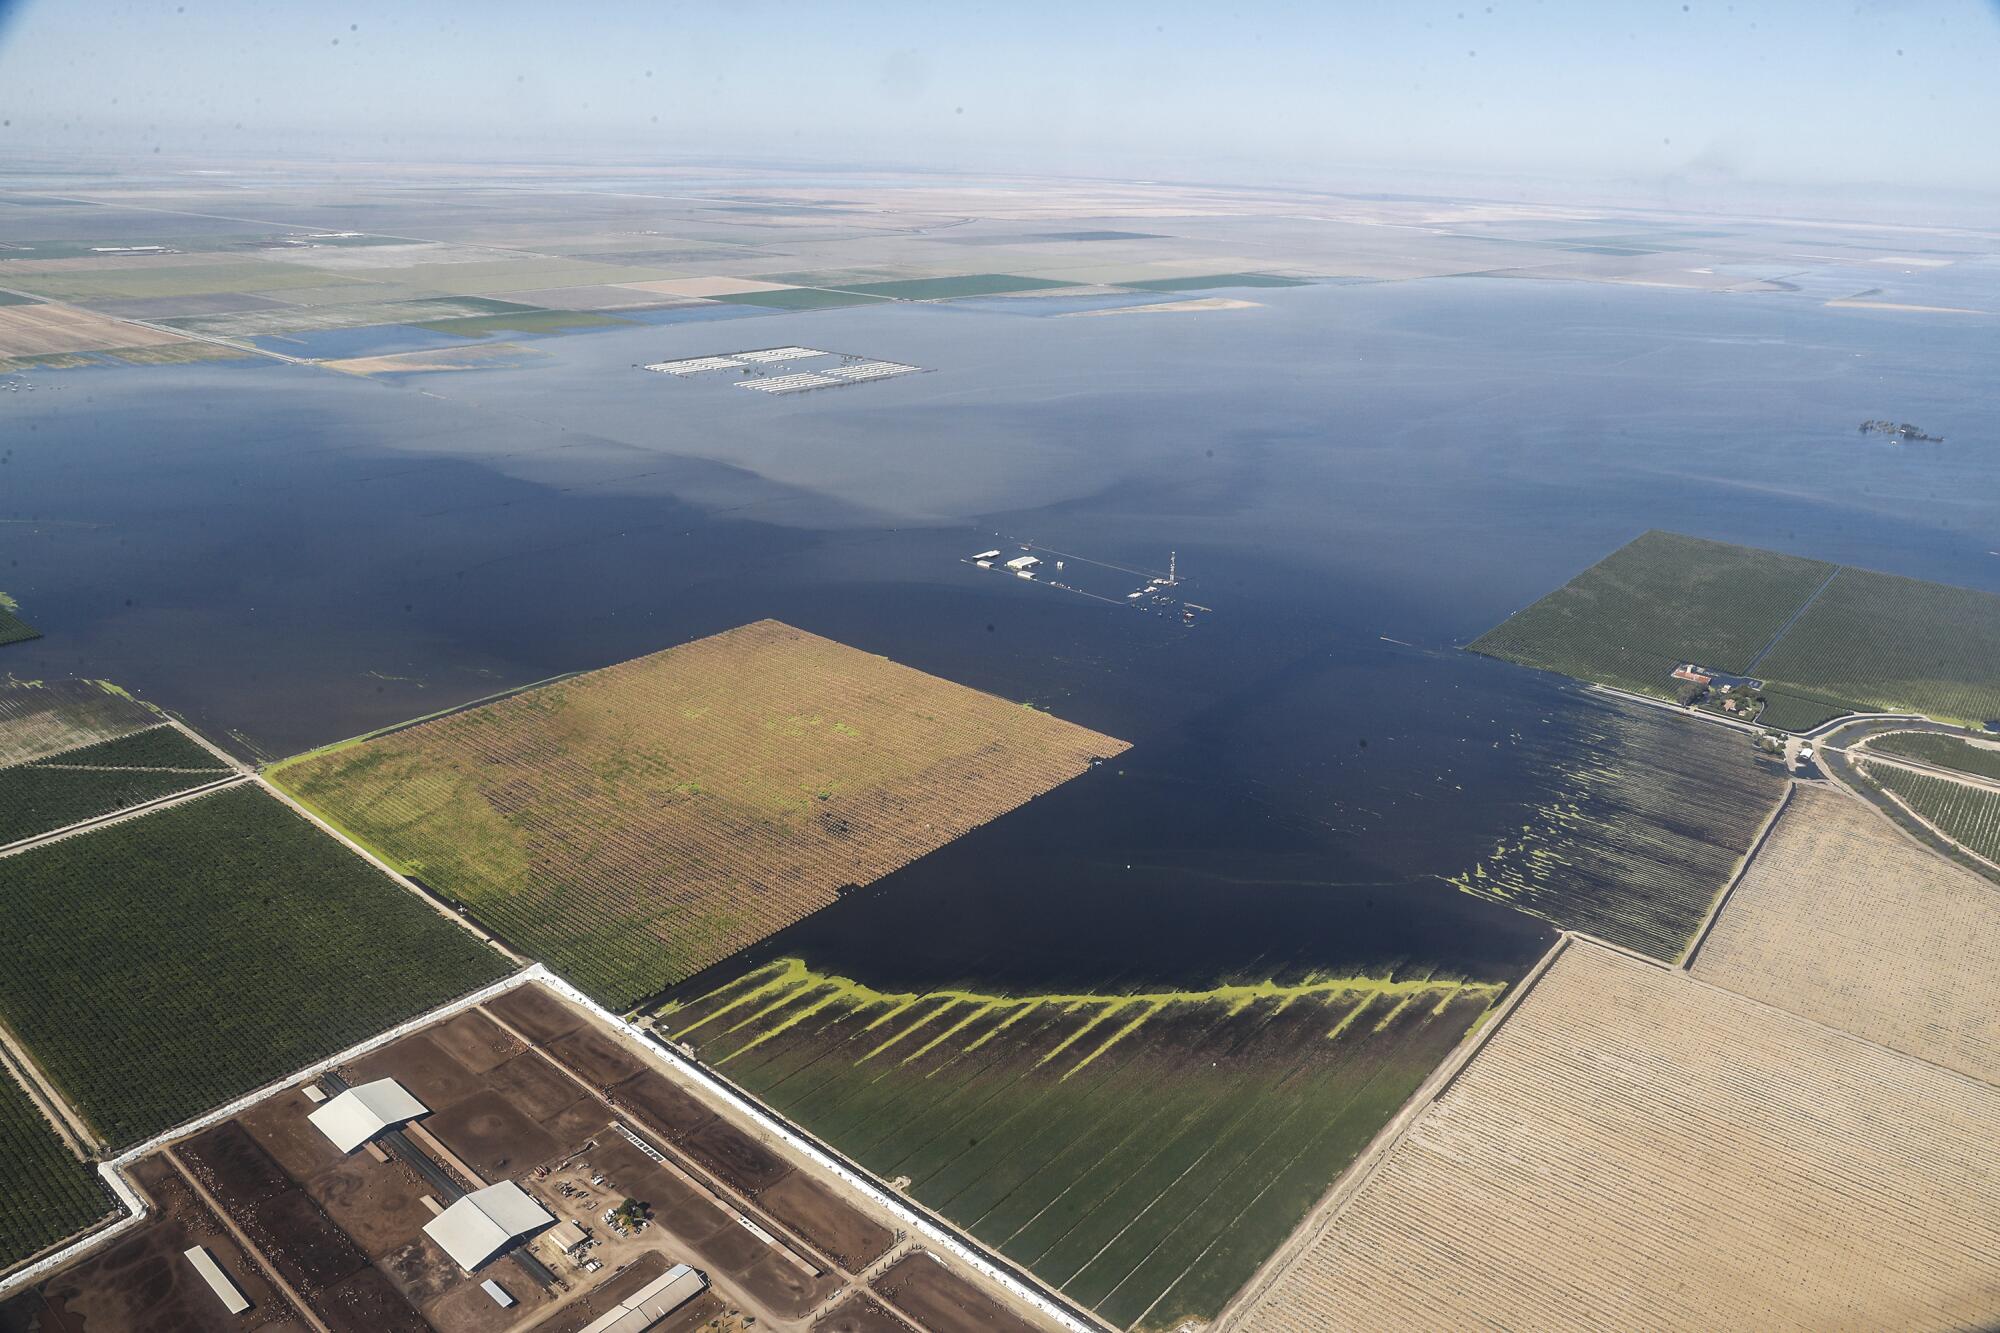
x=652 y=1302
x=359 y=1114
x=218 y=1281
x=482 y=1223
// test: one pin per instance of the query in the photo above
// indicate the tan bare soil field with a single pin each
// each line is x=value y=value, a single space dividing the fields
x=1637 y=1149
x=633 y=825
x=1842 y=919
x=702 y=287
x=36 y=330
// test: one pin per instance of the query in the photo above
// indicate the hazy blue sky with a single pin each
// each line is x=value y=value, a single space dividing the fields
x=1801 y=92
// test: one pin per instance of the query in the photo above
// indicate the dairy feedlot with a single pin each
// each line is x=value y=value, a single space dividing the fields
x=632 y=825
x=1637 y=1149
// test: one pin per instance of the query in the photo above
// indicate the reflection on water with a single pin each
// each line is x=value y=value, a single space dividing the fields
x=287 y=556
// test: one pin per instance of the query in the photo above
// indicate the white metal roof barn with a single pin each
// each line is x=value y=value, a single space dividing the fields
x=484 y=1222
x=359 y=1114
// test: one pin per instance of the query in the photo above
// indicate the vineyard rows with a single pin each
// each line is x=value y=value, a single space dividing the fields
x=1932 y=747
x=100 y=778
x=1889 y=644
x=1968 y=815
x=1635 y=1149
x=1843 y=920
x=1660 y=600
x=40 y=718
x=159 y=966
x=1141 y=1152
x=633 y=825
x=45 y=1192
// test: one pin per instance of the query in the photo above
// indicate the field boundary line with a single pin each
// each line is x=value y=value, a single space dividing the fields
x=1700 y=937
x=1363 y=1168
x=1910 y=810
x=205 y=743
x=138 y=1208
x=1797 y=615
x=407 y=723
x=403 y=882
x=936 y=1231
x=158 y=803
x=66 y=1120
x=1692 y=714
x=1861 y=754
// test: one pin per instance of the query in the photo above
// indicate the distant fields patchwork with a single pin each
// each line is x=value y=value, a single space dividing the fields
x=939 y=289
x=46 y=1193
x=1969 y=815
x=799 y=298
x=1206 y=282
x=1634 y=1148
x=158 y=966
x=1142 y=1152
x=127 y=280
x=1826 y=639
x=633 y=825
x=1650 y=820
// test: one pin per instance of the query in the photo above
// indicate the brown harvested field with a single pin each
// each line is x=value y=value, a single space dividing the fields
x=940 y=1299
x=37 y=330
x=1635 y=1148
x=143 y=1281
x=1842 y=919
x=635 y=824
x=831 y=1226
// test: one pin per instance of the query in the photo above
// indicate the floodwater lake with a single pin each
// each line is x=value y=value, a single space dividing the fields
x=1357 y=478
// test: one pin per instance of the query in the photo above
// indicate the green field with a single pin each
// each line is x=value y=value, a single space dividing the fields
x=940 y=289
x=13 y=629
x=46 y=1194
x=14 y=298
x=1826 y=639
x=1213 y=280
x=1658 y=601
x=159 y=966
x=1648 y=821
x=1932 y=747
x=58 y=790
x=535 y=273
x=798 y=298
x=1894 y=645
x=302 y=319
x=1142 y=1152
x=1968 y=815
x=134 y=279
x=528 y=320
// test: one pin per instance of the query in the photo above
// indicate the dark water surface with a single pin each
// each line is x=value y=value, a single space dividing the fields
x=1356 y=478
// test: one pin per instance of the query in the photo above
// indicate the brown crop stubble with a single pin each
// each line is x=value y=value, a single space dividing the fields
x=1635 y=1148
x=634 y=824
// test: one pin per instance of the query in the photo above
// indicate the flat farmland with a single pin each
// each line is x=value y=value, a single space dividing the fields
x=1826 y=639
x=1841 y=919
x=1648 y=820
x=1890 y=644
x=1141 y=1152
x=161 y=279
x=947 y=288
x=1634 y=1148
x=42 y=718
x=46 y=1193
x=1930 y=747
x=635 y=824
x=57 y=790
x=1661 y=599
x=1968 y=815
x=38 y=330
x=158 y=966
